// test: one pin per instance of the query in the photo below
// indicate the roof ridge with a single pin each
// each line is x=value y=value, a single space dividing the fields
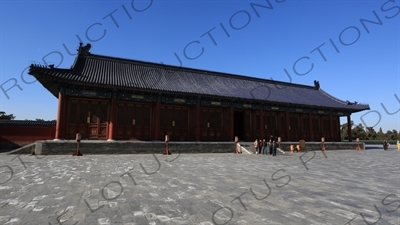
x=27 y=122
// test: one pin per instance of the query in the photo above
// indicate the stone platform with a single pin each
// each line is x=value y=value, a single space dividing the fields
x=130 y=147
x=345 y=187
x=136 y=147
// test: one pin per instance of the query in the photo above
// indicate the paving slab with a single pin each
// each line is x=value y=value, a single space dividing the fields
x=335 y=187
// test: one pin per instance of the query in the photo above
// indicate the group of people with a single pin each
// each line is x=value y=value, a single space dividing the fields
x=266 y=146
x=385 y=145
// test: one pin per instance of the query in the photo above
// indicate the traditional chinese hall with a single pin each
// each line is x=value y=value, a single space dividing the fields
x=110 y=98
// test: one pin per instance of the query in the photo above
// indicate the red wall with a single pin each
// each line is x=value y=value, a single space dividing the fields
x=14 y=136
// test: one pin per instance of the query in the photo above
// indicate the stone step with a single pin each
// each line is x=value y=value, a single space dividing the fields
x=249 y=146
x=243 y=149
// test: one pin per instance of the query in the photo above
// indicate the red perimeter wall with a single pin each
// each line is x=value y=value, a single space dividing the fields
x=15 y=136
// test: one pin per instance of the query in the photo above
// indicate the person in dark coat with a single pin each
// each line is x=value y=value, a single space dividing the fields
x=271 y=141
x=385 y=145
x=275 y=145
x=264 y=147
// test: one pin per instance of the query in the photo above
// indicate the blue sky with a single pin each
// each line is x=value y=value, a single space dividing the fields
x=353 y=60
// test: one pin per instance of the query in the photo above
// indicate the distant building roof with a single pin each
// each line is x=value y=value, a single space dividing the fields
x=91 y=71
x=26 y=123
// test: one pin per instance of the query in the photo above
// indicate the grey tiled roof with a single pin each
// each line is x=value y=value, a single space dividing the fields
x=111 y=72
x=26 y=123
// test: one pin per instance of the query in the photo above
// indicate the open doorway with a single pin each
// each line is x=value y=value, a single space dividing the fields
x=238 y=124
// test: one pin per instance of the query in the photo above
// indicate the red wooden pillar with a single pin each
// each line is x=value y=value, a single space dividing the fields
x=311 y=127
x=157 y=121
x=349 y=128
x=113 y=120
x=287 y=125
x=331 y=128
x=262 y=127
x=198 y=115
x=64 y=118
x=232 y=126
x=60 y=116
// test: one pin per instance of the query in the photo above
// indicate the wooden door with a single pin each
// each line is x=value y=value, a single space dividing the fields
x=174 y=122
x=97 y=120
x=76 y=119
x=211 y=124
x=141 y=122
x=133 y=121
x=294 y=127
x=316 y=129
x=305 y=127
x=270 y=124
x=89 y=118
x=326 y=128
x=282 y=126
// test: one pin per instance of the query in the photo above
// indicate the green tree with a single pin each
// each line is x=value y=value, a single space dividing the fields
x=37 y=119
x=380 y=135
x=388 y=134
x=371 y=133
x=344 y=134
x=4 y=116
x=391 y=134
x=359 y=132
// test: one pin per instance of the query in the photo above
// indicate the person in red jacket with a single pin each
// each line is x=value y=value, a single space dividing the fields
x=260 y=145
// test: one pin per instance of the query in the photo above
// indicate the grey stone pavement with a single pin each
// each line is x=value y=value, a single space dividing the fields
x=338 y=187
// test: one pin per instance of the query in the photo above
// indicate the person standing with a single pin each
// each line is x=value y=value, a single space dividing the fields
x=274 y=148
x=385 y=145
x=256 y=145
x=271 y=140
x=264 y=147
